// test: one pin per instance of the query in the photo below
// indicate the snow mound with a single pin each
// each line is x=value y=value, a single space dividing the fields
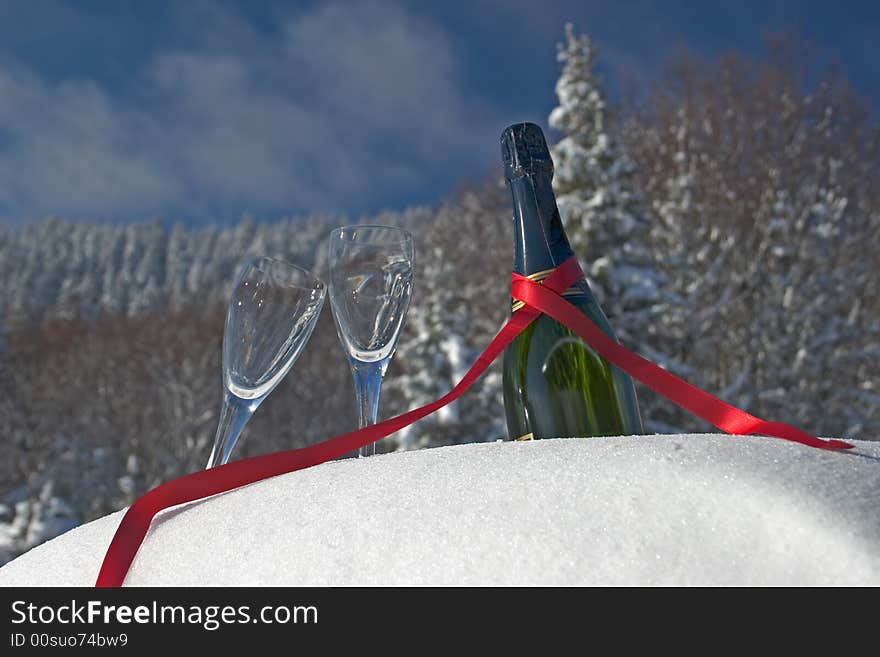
x=651 y=510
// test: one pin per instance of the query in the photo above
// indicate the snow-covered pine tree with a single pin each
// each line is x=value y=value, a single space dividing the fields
x=89 y=288
x=149 y=275
x=113 y=294
x=598 y=198
x=177 y=263
x=602 y=207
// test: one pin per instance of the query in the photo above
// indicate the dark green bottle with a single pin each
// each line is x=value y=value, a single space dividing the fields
x=555 y=385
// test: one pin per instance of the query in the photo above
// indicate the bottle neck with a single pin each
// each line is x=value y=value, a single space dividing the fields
x=541 y=243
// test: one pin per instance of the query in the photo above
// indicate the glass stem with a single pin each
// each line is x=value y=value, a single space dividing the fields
x=367 y=387
x=233 y=416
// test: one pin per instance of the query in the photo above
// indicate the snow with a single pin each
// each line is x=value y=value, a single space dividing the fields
x=698 y=509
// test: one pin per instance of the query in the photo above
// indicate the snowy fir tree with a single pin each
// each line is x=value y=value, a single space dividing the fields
x=604 y=213
x=598 y=199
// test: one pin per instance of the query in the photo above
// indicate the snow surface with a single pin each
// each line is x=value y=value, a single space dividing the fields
x=700 y=509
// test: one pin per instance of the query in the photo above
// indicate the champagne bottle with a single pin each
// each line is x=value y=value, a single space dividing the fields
x=555 y=385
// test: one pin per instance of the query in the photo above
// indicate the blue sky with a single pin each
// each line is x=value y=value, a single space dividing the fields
x=121 y=110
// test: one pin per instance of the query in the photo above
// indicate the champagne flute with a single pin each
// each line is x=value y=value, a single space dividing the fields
x=371 y=270
x=271 y=315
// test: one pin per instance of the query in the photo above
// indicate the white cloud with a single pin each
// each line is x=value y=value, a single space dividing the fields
x=336 y=108
x=71 y=147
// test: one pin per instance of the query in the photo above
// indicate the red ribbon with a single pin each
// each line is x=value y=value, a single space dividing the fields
x=544 y=297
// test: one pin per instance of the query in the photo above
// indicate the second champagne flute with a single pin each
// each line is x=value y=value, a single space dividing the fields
x=371 y=271
x=271 y=315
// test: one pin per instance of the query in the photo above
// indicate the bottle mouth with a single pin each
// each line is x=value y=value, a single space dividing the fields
x=524 y=151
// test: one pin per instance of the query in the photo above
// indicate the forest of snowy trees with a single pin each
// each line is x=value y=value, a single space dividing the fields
x=729 y=221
